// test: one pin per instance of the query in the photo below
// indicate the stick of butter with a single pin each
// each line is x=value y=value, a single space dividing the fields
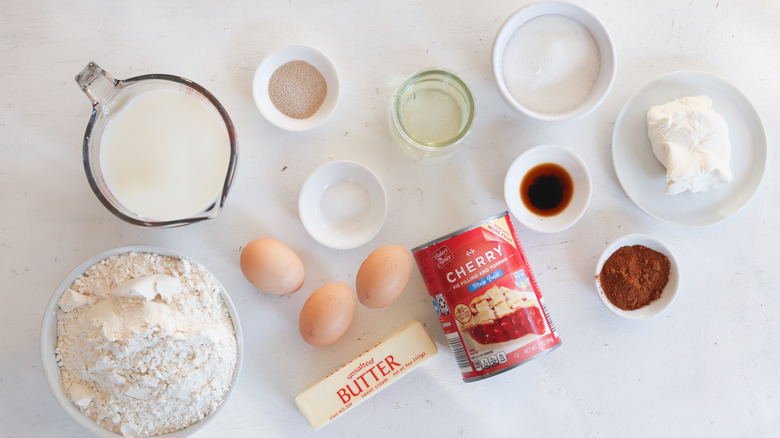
x=367 y=374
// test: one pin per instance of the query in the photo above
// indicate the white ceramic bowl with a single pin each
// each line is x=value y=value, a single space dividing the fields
x=49 y=342
x=342 y=204
x=607 y=67
x=656 y=306
x=282 y=56
x=575 y=167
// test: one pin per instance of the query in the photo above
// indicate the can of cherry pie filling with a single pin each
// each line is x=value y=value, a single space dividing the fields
x=487 y=299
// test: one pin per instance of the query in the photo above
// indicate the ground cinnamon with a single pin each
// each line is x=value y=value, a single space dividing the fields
x=633 y=276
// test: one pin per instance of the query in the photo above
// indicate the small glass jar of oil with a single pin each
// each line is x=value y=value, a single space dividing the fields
x=433 y=111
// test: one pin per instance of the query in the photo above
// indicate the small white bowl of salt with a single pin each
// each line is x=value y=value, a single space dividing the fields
x=296 y=87
x=553 y=61
x=342 y=204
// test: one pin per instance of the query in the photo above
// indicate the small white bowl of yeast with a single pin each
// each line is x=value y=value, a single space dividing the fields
x=296 y=87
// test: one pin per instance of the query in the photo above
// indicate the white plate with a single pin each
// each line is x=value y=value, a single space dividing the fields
x=643 y=177
x=49 y=343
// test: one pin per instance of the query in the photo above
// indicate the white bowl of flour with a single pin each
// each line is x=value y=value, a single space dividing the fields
x=553 y=61
x=141 y=341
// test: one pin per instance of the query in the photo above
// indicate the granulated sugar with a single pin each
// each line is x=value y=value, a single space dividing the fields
x=297 y=89
x=145 y=343
x=551 y=64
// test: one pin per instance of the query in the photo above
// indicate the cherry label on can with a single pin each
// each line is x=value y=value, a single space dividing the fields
x=487 y=299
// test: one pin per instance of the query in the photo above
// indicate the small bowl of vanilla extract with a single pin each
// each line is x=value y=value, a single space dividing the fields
x=547 y=188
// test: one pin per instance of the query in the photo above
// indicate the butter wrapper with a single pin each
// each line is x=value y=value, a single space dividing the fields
x=362 y=377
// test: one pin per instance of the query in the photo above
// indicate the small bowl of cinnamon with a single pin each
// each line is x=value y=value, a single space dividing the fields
x=637 y=276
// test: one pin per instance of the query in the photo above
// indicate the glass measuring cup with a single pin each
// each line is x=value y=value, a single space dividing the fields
x=148 y=183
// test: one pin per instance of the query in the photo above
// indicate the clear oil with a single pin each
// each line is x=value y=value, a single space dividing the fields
x=430 y=115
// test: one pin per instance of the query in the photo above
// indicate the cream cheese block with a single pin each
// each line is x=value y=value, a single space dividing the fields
x=692 y=141
x=367 y=374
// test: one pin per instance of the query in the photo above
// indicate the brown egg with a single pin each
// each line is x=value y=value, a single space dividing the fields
x=272 y=266
x=327 y=313
x=383 y=276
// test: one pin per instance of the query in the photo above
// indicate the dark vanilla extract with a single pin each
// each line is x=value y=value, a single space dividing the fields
x=547 y=189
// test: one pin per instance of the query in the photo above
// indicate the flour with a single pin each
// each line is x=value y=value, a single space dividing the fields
x=145 y=343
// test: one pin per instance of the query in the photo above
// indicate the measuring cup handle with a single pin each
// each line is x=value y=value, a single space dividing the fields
x=97 y=91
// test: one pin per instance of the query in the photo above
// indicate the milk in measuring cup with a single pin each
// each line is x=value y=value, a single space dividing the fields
x=165 y=155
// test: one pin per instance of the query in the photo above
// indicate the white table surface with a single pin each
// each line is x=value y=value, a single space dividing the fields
x=707 y=367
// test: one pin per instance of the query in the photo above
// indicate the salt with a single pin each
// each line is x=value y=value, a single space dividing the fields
x=551 y=64
x=344 y=206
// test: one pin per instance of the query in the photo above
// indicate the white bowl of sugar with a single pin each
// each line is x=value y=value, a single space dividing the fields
x=296 y=87
x=553 y=61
